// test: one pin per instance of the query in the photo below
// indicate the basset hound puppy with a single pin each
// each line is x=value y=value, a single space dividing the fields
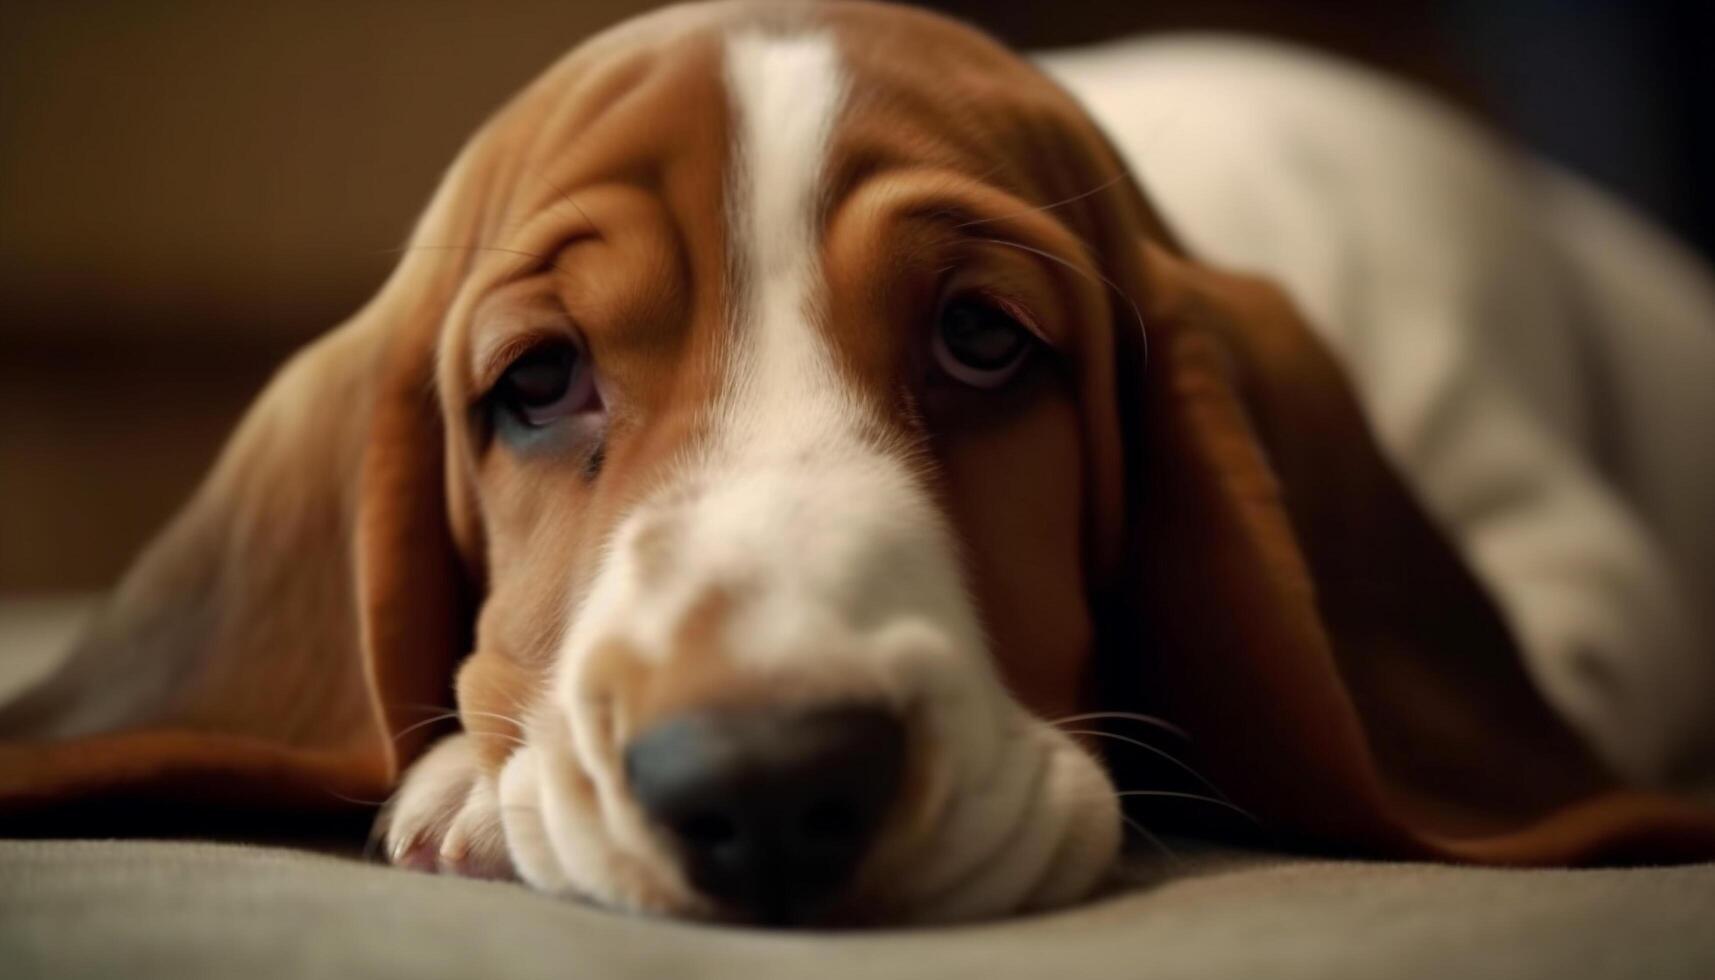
x=789 y=440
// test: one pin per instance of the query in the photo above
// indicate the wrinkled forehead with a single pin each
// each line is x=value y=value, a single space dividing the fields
x=669 y=102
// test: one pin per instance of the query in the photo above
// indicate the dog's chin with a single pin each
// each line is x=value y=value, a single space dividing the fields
x=1032 y=824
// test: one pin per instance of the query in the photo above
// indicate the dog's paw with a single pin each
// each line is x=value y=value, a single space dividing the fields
x=446 y=816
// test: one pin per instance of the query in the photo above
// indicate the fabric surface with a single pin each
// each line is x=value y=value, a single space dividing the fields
x=171 y=910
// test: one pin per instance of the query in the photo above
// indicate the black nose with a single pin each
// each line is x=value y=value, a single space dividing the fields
x=772 y=811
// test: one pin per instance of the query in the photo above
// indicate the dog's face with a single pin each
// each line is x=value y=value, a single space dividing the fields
x=767 y=399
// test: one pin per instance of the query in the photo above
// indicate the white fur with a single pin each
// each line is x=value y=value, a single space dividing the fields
x=844 y=577
x=447 y=817
x=1535 y=359
x=786 y=94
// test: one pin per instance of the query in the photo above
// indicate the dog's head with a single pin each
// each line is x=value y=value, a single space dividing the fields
x=776 y=369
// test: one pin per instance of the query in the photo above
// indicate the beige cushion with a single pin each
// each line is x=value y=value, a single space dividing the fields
x=173 y=910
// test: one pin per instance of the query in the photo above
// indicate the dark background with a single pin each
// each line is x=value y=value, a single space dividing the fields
x=190 y=190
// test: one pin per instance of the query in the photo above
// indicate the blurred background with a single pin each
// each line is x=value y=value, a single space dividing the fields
x=190 y=190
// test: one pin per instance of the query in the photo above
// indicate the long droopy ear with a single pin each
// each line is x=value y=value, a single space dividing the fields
x=281 y=644
x=267 y=647
x=1343 y=675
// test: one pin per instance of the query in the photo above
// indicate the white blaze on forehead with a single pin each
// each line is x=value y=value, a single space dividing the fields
x=827 y=536
x=786 y=94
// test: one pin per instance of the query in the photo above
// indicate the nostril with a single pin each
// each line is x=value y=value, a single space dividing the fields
x=833 y=820
x=706 y=830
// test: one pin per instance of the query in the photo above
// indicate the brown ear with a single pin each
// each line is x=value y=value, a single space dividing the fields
x=296 y=614
x=1342 y=674
x=282 y=642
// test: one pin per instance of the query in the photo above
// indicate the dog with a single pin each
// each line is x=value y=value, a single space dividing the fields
x=786 y=432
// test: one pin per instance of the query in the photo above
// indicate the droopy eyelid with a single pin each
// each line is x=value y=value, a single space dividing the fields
x=961 y=283
x=500 y=350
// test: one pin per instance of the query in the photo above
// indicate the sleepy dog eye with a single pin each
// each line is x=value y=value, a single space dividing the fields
x=979 y=344
x=549 y=383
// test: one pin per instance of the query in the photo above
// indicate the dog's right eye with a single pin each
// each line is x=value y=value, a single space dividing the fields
x=978 y=343
x=548 y=383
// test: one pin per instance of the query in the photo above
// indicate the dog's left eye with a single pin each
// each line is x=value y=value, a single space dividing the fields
x=548 y=383
x=979 y=344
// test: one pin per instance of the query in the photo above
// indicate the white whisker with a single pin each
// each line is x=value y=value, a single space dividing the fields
x=1160 y=723
x=1154 y=841
x=408 y=729
x=1137 y=314
x=509 y=719
x=1241 y=811
x=352 y=799
x=1104 y=185
x=1163 y=753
